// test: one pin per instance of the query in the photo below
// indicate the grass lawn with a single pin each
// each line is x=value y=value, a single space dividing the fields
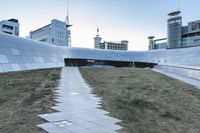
x=23 y=96
x=146 y=101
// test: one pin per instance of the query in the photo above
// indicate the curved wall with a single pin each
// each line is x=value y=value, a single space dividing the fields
x=24 y=54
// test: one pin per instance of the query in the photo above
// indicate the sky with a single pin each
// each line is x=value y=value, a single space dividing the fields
x=132 y=20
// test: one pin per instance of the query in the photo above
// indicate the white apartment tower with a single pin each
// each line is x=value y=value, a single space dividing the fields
x=56 y=33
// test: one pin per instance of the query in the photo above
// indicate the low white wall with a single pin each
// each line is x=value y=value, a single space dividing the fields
x=190 y=72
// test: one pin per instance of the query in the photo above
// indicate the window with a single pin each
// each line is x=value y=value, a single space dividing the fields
x=8 y=27
x=7 y=32
x=184 y=42
x=197 y=41
x=17 y=31
x=60 y=34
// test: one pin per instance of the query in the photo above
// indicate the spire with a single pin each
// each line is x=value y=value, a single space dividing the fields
x=67 y=17
x=97 y=30
x=178 y=5
x=68 y=25
x=67 y=20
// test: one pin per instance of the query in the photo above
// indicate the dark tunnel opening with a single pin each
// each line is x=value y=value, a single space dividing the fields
x=91 y=62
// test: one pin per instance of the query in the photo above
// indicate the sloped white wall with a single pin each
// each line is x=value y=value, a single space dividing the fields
x=23 y=54
x=182 y=71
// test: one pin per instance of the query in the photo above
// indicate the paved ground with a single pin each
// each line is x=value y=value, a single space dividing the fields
x=78 y=108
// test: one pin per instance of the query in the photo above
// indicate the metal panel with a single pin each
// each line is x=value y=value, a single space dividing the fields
x=1 y=69
x=15 y=52
x=4 y=59
x=7 y=67
x=15 y=67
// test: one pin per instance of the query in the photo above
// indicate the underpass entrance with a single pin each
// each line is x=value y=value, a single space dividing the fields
x=91 y=62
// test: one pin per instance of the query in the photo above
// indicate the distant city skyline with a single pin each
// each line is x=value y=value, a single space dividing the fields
x=132 y=20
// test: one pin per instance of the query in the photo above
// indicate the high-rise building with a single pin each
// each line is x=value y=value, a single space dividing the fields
x=151 y=42
x=56 y=33
x=178 y=36
x=97 y=40
x=123 y=45
x=10 y=26
x=174 y=25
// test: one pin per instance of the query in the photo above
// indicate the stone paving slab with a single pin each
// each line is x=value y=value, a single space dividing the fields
x=78 y=109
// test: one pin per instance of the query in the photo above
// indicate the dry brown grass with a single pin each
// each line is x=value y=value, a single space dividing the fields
x=146 y=101
x=23 y=96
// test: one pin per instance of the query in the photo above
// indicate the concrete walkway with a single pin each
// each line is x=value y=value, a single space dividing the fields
x=78 y=108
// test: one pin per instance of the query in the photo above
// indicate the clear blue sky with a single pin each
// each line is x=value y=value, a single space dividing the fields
x=133 y=20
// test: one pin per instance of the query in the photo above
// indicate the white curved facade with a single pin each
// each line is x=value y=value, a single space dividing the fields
x=23 y=54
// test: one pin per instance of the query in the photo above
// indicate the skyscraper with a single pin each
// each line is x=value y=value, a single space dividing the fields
x=174 y=24
x=97 y=40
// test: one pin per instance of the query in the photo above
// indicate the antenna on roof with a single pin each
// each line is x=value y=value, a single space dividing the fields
x=178 y=5
x=97 y=30
x=67 y=17
x=68 y=25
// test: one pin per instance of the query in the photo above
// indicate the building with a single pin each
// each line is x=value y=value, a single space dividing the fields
x=10 y=26
x=182 y=36
x=56 y=33
x=157 y=44
x=151 y=42
x=178 y=36
x=123 y=45
x=174 y=26
x=191 y=34
x=97 y=41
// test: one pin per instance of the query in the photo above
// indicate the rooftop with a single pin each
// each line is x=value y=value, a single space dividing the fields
x=175 y=13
